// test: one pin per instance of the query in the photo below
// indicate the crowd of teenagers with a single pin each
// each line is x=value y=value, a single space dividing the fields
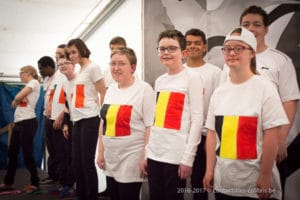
x=224 y=128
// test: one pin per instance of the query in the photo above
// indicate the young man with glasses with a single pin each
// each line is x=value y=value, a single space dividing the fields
x=277 y=67
x=176 y=131
x=196 y=47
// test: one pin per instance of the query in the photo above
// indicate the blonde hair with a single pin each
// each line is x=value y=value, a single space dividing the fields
x=30 y=70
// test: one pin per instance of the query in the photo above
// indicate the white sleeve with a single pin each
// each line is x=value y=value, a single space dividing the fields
x=195 y=95
x=288 y=85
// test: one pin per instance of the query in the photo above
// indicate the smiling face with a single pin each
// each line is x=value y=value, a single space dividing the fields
x=121 y=69
x=237 y=60
x=195 y=46
x=172 y=60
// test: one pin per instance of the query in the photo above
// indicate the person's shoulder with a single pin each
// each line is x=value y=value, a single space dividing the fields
x=212 y=66
x=34 y=81
x=276 y=54
x=161 y=77
x=263 y=82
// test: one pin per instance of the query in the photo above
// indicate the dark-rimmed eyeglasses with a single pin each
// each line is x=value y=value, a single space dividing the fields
x=169 y=49
x=64 y=64
x=237 y=49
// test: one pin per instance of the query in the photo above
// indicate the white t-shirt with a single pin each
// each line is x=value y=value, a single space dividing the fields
x=278 y=68
x=126 y=113
x=176 y=131
x=69 y=89
x=239 y=113
x=86 y=101
x=27 y=110
x=209 y=73
x=57 y=96
x=46 y=87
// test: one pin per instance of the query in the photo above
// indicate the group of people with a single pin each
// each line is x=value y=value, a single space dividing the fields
x=223 y=128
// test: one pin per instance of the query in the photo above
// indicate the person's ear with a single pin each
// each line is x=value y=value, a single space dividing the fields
x=133 y=68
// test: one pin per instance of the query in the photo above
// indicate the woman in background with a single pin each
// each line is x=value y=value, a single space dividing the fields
x=24 y=130
x=85 y=108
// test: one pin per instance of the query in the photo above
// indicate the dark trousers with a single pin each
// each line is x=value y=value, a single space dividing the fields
x=85 y=136
x=123 y=191
x=50 y=140
x=22 y=137
x=56 y=144
x=220 y=196
x=164 y=183
x=67 y=170
x=198 y=173
x=290 y=164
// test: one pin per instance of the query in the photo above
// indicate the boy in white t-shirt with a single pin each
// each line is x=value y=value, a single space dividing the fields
x=196 y=47
x=178 y=120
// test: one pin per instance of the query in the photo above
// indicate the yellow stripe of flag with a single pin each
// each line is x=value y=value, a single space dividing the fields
x=161 y=107
x=111 y=120
x=229 y=135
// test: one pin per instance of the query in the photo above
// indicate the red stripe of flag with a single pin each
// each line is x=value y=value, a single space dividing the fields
x=246 y=138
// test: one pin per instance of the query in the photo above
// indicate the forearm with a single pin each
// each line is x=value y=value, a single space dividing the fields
x=147 y=135
x=269 y=151
x=100 y=143
x=210 y=151
x=193 y=140
x=22 y=94
x=290 y=108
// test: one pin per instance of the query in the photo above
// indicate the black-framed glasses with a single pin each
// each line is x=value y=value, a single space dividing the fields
x=236 y=49
x=169 y=49
x=64 y=64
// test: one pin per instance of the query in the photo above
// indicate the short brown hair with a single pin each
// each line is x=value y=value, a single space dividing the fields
x=81 y=46
x=128 y=52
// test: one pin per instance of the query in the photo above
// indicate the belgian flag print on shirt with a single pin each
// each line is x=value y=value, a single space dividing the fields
x=169 y=108
x=116 y=120
x=237 y=136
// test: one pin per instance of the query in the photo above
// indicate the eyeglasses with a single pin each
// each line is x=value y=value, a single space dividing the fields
x=237 y=49
x=255 y=24
x=170 y=49
x=120 y=64
x=64 y=64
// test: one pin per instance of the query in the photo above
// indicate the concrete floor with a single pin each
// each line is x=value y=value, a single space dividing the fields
x=22 y=178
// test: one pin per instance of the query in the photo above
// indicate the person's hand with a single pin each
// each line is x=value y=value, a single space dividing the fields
x=143 y=168
x=282 y=151
x=264 y=187
x=184 y=171
x=14 y=104
x=101 y=161
x=57 y=124
x=65 y=131
x=208 y=182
